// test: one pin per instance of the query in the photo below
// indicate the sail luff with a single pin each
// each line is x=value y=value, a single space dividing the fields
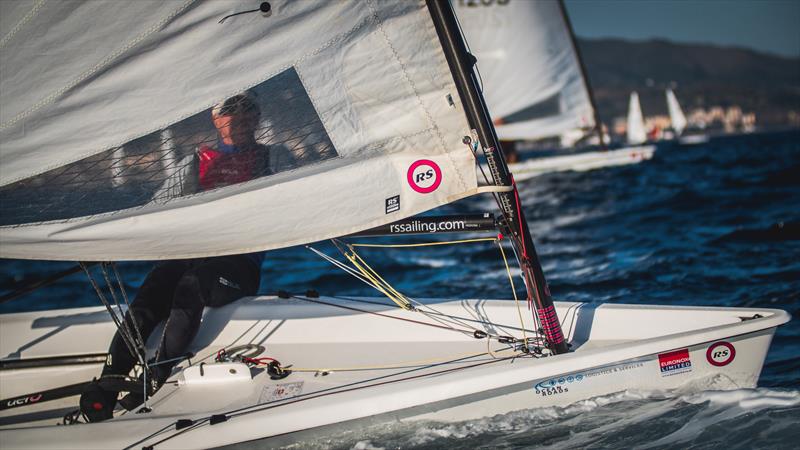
x=461 y=65
x=598 y=125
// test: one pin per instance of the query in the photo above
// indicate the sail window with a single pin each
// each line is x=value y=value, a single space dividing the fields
x=265 y=130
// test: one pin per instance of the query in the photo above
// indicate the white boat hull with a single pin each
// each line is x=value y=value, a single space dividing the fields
x=405 y=370
x=581 y=162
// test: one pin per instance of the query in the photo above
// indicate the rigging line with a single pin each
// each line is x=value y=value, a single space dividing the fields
x=470 y=332
x=165 y=429
x=355 y=384
x=318 y=394
x=420 y=306
x=424 y=244
x=466 y=332
x=127 y=327
x=404 y=297
x=376 y=287
x=485 y=177
x=110 y=310
x=340 y=265
x=396 y=296
x=482 y=322
x=401 y=365
x=514 y=292
x=519 y=216
x=382 y=286
x=128 y=305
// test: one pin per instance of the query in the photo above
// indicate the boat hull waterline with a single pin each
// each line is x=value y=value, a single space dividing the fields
x=581 y=162
x=355 y=368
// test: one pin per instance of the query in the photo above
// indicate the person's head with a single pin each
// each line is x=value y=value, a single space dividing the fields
x=236 y=120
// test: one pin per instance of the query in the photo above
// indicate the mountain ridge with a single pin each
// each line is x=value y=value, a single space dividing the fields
x=702 y=75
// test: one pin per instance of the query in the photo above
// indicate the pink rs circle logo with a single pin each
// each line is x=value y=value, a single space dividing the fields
x=424 y=176
x=720 y=354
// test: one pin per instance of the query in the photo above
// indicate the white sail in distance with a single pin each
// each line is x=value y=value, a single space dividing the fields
x=532 y=79
x=353 y=113
x=676 y=116
x=636 y=133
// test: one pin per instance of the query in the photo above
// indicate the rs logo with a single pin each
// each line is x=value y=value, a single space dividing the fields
x=720 y=354
x=422 y=176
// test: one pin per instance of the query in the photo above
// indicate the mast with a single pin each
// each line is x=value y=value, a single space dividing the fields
x=598 y=125
x=461 y=62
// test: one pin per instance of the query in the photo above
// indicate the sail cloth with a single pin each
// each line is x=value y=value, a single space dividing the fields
x=636 y=133
x=353 y=121
x=532 y=79
x=676 y=116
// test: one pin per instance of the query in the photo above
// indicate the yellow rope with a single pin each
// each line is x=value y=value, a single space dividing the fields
x=379 y=283
x=400 y=299
x=424 y=244
x=377 y=275
x=514 y=291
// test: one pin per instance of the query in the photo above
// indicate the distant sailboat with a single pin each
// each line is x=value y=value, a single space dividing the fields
x=636 y=133
x=676 y=116
x=679 y=122
x=536 y=87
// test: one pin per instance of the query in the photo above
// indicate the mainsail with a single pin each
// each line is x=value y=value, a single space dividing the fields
x=676 y=116
x=635 y=131
x=359 y=124
x=532 y=79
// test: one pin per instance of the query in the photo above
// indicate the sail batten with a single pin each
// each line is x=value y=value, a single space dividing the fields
x=351 y=121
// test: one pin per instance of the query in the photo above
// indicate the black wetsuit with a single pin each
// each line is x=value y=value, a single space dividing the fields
x=177 y=291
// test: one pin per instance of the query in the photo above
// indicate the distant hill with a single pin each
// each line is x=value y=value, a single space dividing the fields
x=702 y=76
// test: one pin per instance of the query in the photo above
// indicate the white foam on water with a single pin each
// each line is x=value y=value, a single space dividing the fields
x=365 y=445
x=721 y=407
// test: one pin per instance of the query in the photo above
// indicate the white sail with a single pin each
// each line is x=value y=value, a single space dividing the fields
x=636 y=132
x=532 y=80
x=357 y=112
x=676 y=116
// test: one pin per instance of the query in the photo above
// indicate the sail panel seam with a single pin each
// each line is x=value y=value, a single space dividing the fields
x=412 y=85
x=24 y=21
x=99 y=66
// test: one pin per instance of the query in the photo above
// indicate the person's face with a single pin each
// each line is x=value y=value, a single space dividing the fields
x=236 y=129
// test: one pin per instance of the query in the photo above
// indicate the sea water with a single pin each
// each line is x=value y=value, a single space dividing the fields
x=716 y=225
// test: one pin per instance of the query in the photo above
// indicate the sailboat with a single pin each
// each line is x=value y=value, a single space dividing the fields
x=372 y=114
x=678 y=120
x=537 y=87
x=676 y=116
x=635 y=133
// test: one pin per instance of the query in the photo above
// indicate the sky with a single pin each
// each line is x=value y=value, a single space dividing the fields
x=771 y=26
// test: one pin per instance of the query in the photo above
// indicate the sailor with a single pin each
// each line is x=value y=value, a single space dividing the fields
x=175 y=292
x=238 y=157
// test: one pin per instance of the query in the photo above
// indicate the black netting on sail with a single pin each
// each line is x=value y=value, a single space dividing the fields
x=265 y=130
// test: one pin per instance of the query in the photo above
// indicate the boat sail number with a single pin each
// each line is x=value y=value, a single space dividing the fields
x=424 y=176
